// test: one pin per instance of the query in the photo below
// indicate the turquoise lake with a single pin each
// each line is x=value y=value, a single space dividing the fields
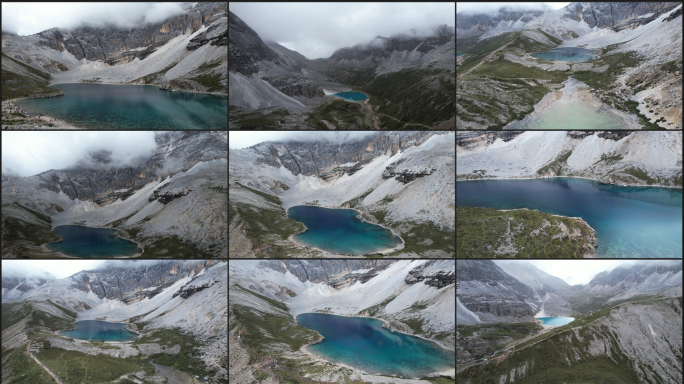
x=339 y=231
x=95 y=330
x=351 y=96
x=556 y=321
x=459 y=54
x=106 y=106
x=363 y=343
x=566 y=54
x=81 y=241
x=629 y=221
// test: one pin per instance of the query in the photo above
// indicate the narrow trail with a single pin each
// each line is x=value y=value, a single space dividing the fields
x=41 y=364
x=483 y=60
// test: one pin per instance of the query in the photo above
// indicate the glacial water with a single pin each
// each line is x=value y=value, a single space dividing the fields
x=339 y=231
x=106 y=106
x=459 y=54
x=570 y=115
x=555 y=321
x=566 y=54
x=629 y=221
x=95 y=330
x=351 y=96
x=364 y=344
x=81 y=241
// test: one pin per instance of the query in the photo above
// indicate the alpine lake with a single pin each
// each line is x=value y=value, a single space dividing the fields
x=96 y=330
x=573 y=54
x=351 y=96
x=555 y=321
x=88 y=242
x=630 y=222
x=340 y=231
x=363 y=343
x=107 y=106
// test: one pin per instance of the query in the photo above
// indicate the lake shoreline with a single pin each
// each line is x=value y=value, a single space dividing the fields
x=58 y=124
x=383 y=252
x=115 y=234
x=150 y=85
x=569 y=177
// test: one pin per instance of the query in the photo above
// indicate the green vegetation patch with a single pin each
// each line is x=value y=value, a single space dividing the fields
x=211 y=81
x=13 y=313
x=273 y=199
x=353 y=202
x=611 y=158
x=556 y=165
x=19 y=368
x=494 y=331
x=508 y=70
x=478 y=50
x=260 y=118
x=187 y=360
x=23 y=239
x=168 y=246
x=340 y=113
x=275 y=303
x=375 y=309
x=415 y=239
x=440 y=379
x=263 y=330
x=66 y=311
x=46 y=320
x=483 y=232
x=78 y=367
x=639 y=174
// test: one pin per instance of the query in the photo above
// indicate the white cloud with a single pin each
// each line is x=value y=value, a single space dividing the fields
x=39 y=268
x=317 y=30
x=31 y=18
x=29 y=153
x=493 y=8
x=239 y=140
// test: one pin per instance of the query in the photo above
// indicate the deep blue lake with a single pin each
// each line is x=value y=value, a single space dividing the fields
x=629 y=221
x=107 y=106
x=556 y=321
x=95 y=330
x=566 y=54
x=363 y=343
x=339 y=231
x=351 y=96
x=81 y=241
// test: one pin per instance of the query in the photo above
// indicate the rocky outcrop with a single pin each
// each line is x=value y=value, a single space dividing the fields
x=311 y=158
x=295 y=86
x=98 y=181
x=610 y=15
x=469 y=140
x=498 y=308
x=216 y=34
x=315 y=271
x=245 y=48
x=166 y=197
x=440 y=280
x=114 y=45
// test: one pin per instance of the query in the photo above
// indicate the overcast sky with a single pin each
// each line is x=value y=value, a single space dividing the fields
x=27 y=153
x=241 y=139
x=317 y=30
x=493 y=7
x=31 y=18
x=37 y=268
x=577 y=271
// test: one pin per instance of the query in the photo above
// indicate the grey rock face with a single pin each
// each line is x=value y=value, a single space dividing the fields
x=245 y=48
x=112 y=45
x=440 y=279
x=317 y=271
x=295 y=86
x=383 y=47
x=176 y=151
x=624 y=277
x=312 y=158
x=609 y=15
x=126 y=283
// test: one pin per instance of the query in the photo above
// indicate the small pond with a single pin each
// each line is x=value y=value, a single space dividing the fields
x=566 y=54
x=95 y=330
x=459 y=54
x=340 y=231
x=363 y=343
x=82 y=241
x=556 y=321
x=351 y=96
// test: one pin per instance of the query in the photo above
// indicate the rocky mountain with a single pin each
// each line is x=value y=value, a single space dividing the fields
x=626 y=280
x=246 y=48
x=179 y=190
x=173 y=298
x=184 y=49
x=404 y=175
x=608 y=15
x=603 y=156
x=492 y=295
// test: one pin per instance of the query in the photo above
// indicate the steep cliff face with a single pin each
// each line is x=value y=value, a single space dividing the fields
x=318 y=271
x=114 y=45
x=612 y=14
x=246 y=48
x=641 y=277
x=175 y=152
x=295 y=86
x=381 y=48
x=312 y=158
